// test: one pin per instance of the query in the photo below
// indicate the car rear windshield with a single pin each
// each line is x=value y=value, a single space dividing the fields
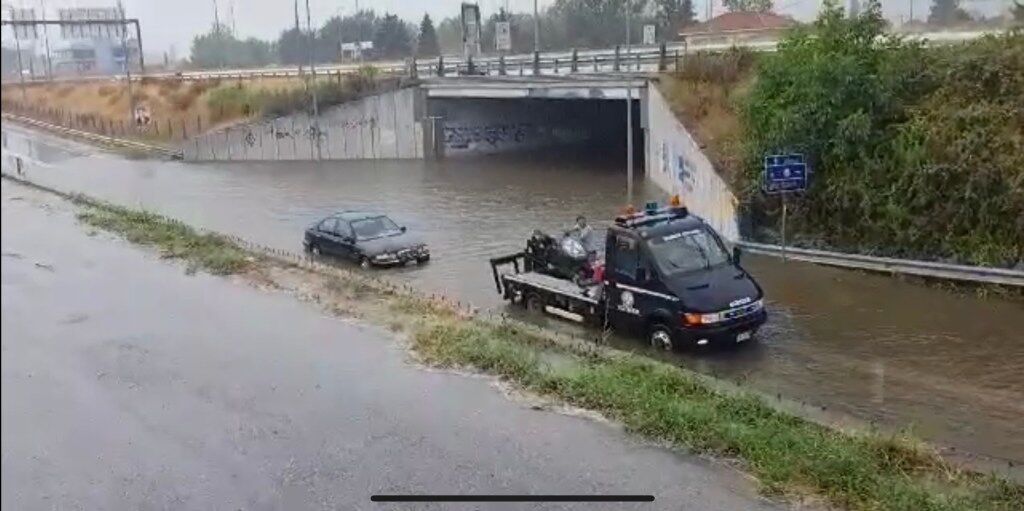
x=375 y=227
x=688 y=251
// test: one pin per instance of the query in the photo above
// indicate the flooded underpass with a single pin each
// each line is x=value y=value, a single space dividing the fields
x=875 y=348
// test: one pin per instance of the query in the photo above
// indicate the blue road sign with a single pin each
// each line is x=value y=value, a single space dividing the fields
x=785 y=173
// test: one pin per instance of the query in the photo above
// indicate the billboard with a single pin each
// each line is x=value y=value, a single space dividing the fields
x=113 y=30
x=24 y=31
x=470 y=17
x=503 y=36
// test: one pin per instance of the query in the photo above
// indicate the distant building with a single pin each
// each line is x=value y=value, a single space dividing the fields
x=737 y=26
x=92 y=57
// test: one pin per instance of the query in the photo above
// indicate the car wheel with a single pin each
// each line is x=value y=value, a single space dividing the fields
x=314 y=249
x=422 y=260
x=534 y=303
x=660 y=337
x=364 y=262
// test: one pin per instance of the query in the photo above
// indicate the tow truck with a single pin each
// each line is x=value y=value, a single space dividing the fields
x=666 y=275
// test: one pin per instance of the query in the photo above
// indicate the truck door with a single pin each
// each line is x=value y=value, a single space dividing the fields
x=621 y=272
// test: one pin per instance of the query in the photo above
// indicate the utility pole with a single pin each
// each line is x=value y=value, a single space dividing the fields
x=536 y=27
x=46 y=40
x=629 y=113
x=127 y=64
x=911 y=10
x=312 y=72
x=17 y=46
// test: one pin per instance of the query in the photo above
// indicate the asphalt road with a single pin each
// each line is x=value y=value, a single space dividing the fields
x=127 y=384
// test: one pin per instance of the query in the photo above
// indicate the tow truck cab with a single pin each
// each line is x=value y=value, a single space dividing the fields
x=668 y=275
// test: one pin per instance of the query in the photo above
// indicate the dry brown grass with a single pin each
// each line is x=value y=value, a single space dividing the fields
x=167 y=99
x=707 y=95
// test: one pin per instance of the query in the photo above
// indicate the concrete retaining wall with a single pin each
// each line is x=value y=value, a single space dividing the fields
x=676 y=164
x=384 y=126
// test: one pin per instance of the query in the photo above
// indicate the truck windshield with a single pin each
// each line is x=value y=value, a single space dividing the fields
x=687 y=251
x=376 y=227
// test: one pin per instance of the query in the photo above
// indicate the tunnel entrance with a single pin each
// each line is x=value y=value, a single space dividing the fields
x=530 y=128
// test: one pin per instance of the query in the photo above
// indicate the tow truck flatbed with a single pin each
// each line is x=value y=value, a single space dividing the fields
x=670 y=278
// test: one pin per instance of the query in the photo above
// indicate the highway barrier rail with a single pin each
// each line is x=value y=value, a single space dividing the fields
x=93 y=137
x=926 y=269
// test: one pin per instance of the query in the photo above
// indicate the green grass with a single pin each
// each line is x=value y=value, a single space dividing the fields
x=789 y=455
x=209 y=252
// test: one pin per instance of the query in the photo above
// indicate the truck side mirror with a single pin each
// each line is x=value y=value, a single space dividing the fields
x=402 y=228
x=736 y=253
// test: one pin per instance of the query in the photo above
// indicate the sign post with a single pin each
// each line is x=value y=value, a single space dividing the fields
x=783 y=174
x=649 y=34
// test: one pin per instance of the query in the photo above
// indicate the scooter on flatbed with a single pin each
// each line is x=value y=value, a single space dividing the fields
x=666 y=275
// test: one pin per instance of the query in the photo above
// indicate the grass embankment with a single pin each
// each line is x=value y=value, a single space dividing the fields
x=787 y=454
x=180 y=109
x=916 y=151
x=174 y=240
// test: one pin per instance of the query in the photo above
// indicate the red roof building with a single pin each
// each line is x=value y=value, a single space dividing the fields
x=733 y=21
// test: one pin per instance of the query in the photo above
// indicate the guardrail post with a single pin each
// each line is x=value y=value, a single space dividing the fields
x=675 y=64
x=638 y=62
x=615 y=63
x=440 y=65
x=501 y=65
x=170 y=130
x=536 y=63
x=412 y=69
x=556 y=65
x=520 y=68
x=662 y=58
x=470 y=66
x=574 y=67
x=595 y=63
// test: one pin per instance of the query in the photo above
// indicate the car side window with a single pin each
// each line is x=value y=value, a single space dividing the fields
x=327 y=225
x=344 y=229
x=626 y=256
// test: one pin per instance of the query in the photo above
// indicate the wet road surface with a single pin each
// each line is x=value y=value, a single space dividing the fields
x=128 y=384
x=868 y=346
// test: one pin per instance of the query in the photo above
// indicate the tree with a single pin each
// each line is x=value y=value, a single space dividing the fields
x=748 y=5
x=593 y=23
x=292 y=47
x=449 y=35
x=427 y=46
x=674 y=14
x=219 y=48
x=947 y=12
x=393 y=38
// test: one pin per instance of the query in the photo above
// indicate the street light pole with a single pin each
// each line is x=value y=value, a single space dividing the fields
x=127 y=64
x=629 y=114
x=536 y=27
x=312 y=72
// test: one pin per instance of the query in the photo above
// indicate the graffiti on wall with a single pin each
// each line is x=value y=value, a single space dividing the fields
x=678 y=166
x=461 y=137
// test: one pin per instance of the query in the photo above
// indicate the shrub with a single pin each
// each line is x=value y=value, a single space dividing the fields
x=916 y=152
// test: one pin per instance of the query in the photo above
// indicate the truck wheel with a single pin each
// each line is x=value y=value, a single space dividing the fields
x=534 y=303
x=660 y=337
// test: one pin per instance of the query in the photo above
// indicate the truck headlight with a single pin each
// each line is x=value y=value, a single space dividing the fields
x=694 y=319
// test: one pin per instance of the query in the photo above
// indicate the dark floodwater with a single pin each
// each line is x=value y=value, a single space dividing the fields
x=867 y=346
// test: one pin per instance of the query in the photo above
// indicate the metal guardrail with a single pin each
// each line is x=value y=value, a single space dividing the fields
x=92 y=137
x=641 y=59
x=928 y=269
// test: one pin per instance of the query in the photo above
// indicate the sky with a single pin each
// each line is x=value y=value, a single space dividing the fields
x=171 y=24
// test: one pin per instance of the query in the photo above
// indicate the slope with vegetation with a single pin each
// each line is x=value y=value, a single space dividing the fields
x=916 y=152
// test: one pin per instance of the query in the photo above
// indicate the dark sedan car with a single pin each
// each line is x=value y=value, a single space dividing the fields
x=366 y=238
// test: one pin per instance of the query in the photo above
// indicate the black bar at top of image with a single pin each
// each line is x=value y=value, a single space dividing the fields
x=512 y=498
